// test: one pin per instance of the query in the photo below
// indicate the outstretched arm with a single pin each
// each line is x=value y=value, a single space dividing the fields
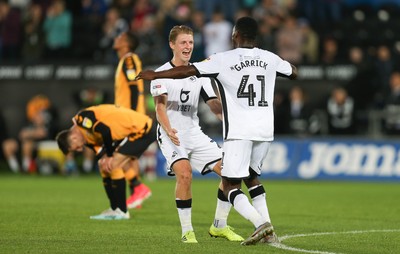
x=178 y=72
x=294 y=72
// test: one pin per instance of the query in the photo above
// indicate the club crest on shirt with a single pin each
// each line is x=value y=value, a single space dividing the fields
x=193 y=78
x=87 y=123
x=131 y=74
x=184 y=96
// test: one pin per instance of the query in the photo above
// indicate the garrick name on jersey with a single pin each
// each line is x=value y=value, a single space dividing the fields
x=249 y=63
x=183 y=98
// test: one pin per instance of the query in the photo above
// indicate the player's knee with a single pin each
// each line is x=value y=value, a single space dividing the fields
x=184 y=176
x=233 y=194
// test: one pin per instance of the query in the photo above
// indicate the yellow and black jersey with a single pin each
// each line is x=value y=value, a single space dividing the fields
x=128 y=92
x=105 y=124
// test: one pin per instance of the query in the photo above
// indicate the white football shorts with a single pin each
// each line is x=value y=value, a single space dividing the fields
x=201 y=151
x=240 y=155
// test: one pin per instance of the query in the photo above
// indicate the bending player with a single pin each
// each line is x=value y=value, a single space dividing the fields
x=118 y=135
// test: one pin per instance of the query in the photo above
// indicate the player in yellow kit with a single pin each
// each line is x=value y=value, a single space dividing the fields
x=130 y=94
x=117 y=135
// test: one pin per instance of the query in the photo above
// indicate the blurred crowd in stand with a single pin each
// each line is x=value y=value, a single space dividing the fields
x=361 y=33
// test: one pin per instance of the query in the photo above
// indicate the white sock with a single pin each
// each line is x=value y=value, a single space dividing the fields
x=87 y=165
x=185 y=216
x=260 y=204
x=25 y=163
x=13 y=164
x=221 y=213
x=244 y=208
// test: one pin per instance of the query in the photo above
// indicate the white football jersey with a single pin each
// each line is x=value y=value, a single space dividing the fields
x=183 y=98
x=246 y=82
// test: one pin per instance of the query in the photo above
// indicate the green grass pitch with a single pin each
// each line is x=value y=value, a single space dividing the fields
x=40 y=214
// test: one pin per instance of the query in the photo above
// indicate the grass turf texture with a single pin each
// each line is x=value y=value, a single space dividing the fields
x=51 y=215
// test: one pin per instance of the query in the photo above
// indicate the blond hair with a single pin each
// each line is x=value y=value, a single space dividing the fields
x=176 y=30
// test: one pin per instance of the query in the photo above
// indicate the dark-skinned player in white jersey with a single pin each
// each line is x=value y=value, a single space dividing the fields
x=246 y=79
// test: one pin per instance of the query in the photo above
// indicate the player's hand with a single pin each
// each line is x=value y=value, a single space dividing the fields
x=146 y=75
x=106 y=163
x=174 y=138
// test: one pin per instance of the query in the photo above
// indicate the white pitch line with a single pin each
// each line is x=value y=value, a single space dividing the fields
x=285 y=237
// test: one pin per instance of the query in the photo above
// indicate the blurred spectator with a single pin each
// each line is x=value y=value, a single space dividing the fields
x=384 y=66
x=321 y=12
x=113 y=26
x=94 y=7
x=289 y=40
x=300 y=112
x=87 y=29
x=58 y=30
x=89 y=96
x=361 y=87
x=198 y=37
x=42 y=119
x=10 y=32
x=330 y=52
x=217 y=34
x=392 y=107
x=151 y=44
x=268 y=8
x=141 y=10
x=124 y=7
x=341 y=113
x=266 y=35
x=172 y=13
x=33 y=44
x=281 y=112
x=310 y=43
x=227 y=8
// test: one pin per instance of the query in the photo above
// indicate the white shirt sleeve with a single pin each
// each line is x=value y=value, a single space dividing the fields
x=208 y=89
x=284 y=67
x=158 y=87
x=210 y=66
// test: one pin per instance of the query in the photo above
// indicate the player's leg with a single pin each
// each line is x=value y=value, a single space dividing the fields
x=134 y=149
x=220 y=227
x=139 y=191
x=108 y=213
x=255 y=187
x=206 y=157
x=115 y=187
x=118 y=181
x=10 y=148
x=237 y=156
x=183 y=198
x=28 y=163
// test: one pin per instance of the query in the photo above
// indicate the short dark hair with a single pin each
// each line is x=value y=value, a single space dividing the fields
x=62 y=141
x=247 y=27
x=133 y=40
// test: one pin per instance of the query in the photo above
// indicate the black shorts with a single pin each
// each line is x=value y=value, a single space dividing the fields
x=137 y=147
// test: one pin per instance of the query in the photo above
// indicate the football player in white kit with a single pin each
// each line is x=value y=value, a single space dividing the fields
x=246 y=82
x=181 y=140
